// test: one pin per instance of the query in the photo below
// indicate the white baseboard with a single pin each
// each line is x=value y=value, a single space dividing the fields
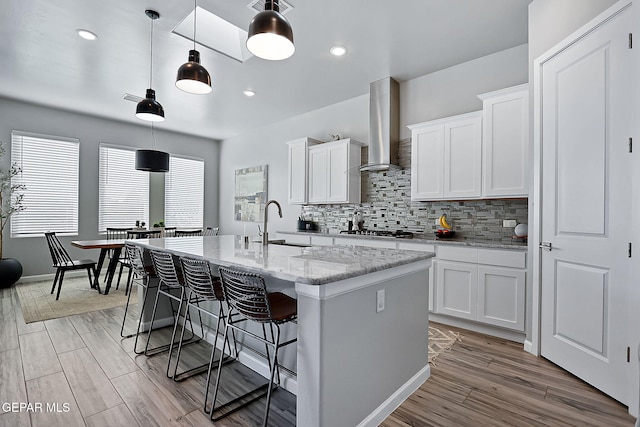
x=158 y=323
x=528 y=347
x=396 y=399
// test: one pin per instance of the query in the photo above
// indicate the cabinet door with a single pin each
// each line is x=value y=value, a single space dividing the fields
x=427 y=168
x=457 y=289
x=317 y=175
x=501 y=296
x=297 y=174
x=506 y=143
x=462 y=158
x=338 y=169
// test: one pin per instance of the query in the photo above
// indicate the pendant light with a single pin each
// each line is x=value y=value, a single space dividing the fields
x=152 y=160
x=149 y=109
x=270 y=34
x=193 y=77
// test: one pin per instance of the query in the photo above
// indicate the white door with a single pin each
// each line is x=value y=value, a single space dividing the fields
x=586 y=206
x=463 y=157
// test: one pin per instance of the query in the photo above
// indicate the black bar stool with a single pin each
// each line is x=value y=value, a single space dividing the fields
x=246 y=294
x=172 y=286
x=203 y=286
x=143 y=275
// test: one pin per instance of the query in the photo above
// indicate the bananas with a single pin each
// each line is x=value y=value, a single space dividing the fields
x=443 y=222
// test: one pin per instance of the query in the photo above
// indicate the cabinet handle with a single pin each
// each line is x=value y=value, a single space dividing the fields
x=546 y=246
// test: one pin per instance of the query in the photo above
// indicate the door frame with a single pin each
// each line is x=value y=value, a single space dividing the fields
x=533 y=343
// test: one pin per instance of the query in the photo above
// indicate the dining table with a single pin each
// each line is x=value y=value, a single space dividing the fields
x=105 y=245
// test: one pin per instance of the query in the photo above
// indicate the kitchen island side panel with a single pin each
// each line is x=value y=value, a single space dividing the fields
x=353 y=361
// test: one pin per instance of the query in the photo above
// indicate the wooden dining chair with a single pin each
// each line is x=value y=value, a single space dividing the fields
x=120 y=233
x=169 y=232
x=63 y=263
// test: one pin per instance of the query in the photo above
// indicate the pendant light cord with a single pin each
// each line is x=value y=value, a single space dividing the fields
x=151 y=68
x=195 y=20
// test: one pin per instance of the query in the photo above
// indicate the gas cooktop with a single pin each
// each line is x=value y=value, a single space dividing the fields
x=381 y=233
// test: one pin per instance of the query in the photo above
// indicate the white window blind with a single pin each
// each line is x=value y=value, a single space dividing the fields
x=184 y=193
x=123 y=190
x=50 y=174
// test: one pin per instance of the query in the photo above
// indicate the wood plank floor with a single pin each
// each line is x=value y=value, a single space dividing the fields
x=487 y=381
x=82 y=362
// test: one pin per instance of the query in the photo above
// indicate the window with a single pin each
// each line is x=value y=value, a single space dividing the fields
x=184 y=193
x=50 y=174
x=123 y=190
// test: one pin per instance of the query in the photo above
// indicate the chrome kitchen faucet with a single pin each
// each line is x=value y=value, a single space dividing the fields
x=265 y=235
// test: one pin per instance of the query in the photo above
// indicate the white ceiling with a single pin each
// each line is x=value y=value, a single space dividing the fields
x=44 y=61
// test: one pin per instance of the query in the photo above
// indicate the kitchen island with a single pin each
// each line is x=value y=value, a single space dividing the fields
x=362 y=324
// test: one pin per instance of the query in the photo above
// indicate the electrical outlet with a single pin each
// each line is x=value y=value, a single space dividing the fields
x=437 y=221
x=380 y=301
x=509 y=223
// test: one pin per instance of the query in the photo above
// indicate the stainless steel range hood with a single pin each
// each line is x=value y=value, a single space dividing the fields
x=383 y=125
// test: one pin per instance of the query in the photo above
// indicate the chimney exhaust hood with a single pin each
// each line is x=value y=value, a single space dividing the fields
x=383 y=125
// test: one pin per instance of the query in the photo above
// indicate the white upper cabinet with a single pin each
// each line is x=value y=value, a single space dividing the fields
x=297 y=172
x=334 y=175
x=505 y=145
x=446 y=158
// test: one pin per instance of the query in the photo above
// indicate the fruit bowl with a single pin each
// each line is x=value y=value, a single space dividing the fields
x=444 y=234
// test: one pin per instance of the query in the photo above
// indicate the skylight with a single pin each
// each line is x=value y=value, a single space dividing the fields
x=216 y=34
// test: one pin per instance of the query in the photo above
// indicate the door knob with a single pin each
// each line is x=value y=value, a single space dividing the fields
x=546 y=246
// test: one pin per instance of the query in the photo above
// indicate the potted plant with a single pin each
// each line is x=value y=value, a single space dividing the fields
x=11 y=196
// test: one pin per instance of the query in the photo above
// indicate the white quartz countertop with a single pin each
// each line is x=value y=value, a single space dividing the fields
x=313 y=265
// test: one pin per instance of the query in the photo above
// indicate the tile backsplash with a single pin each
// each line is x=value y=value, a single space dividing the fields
x=386 y=205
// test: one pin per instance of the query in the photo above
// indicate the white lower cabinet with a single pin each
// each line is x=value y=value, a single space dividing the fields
x=482 y=285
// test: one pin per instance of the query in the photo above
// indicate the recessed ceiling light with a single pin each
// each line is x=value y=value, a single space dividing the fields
x=248 y=93
x=86 y=34
x=338 y=50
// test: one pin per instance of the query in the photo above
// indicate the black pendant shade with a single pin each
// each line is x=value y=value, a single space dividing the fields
x=193 y=77
x=149 y=109
x=152 y=161
x=270 y=34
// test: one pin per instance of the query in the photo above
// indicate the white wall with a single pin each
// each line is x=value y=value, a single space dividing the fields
x=32 y=252
x=440 y=94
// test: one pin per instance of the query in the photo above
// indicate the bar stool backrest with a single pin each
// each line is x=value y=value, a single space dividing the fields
x=165 y=268
x=246 y=293
x=197 y=277
x=134 y=253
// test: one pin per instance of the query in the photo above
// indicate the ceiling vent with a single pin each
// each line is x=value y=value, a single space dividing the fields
x=132 y=98
x=258 y=6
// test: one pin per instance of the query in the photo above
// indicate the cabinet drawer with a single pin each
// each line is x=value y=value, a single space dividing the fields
x=515 y=259
x=455 y=253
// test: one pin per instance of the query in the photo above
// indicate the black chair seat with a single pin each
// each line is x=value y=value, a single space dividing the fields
x=76 y=264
